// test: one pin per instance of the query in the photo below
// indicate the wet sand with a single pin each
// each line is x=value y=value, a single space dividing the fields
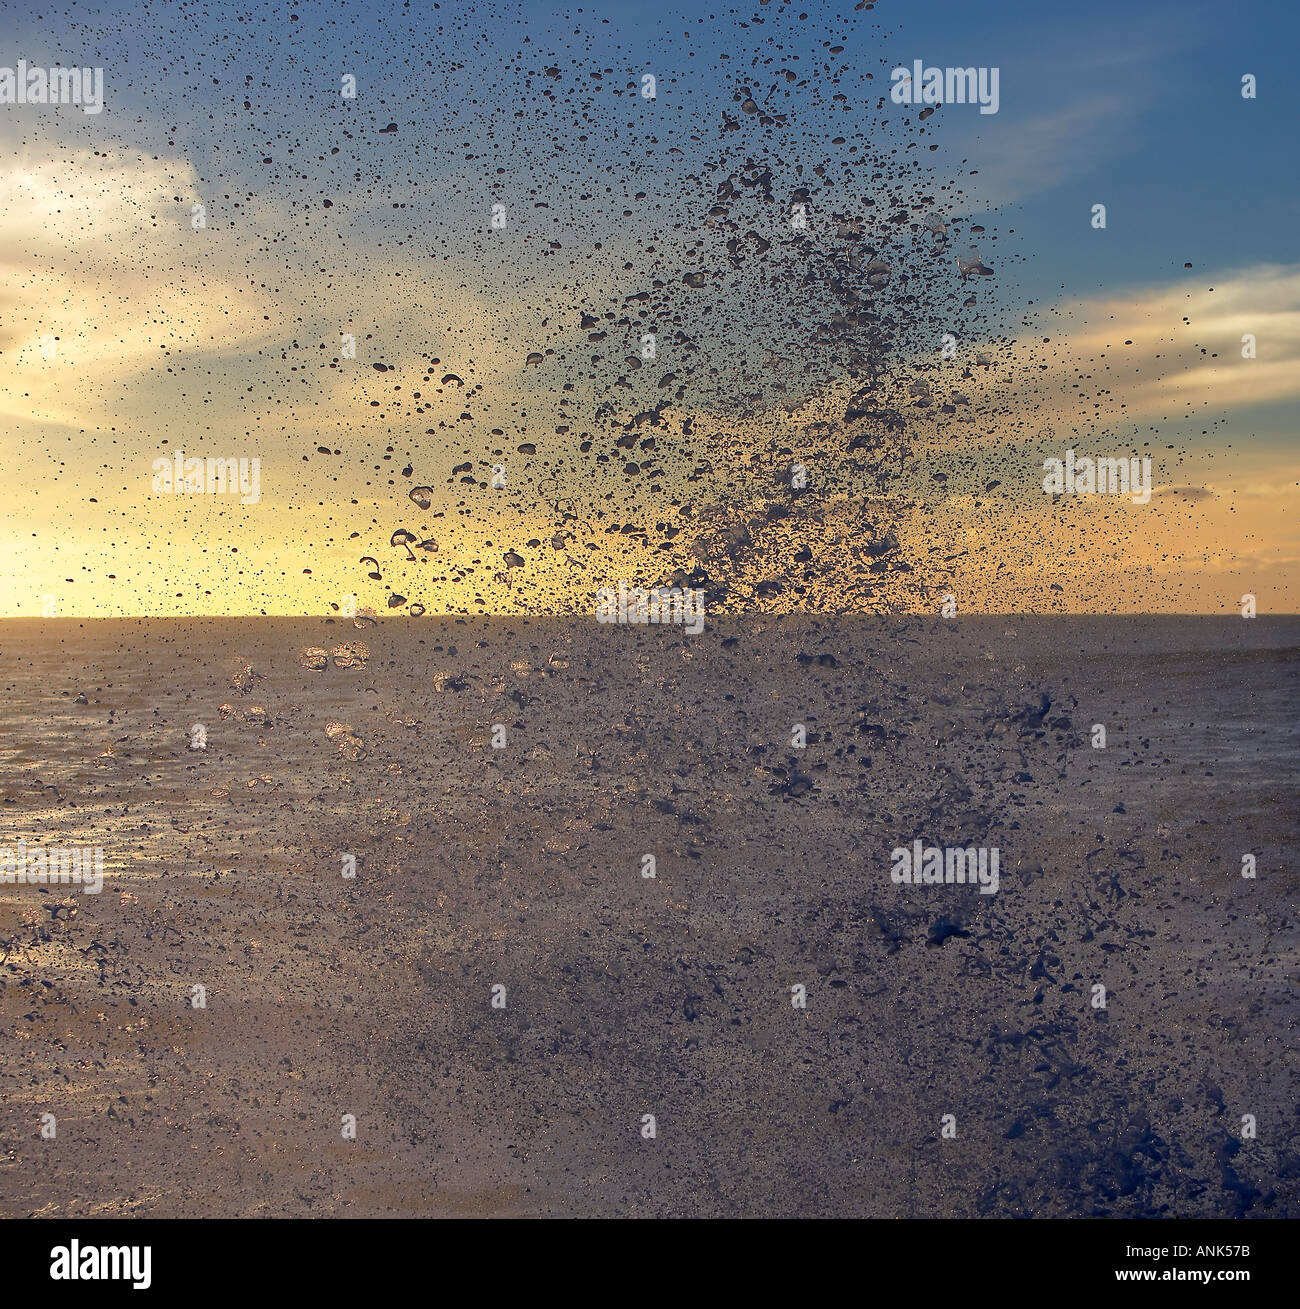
x=628 y=996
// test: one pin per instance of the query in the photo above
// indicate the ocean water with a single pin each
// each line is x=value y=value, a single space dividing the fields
x=515 y=872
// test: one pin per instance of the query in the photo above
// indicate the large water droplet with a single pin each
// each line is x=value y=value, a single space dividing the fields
x=351 y=654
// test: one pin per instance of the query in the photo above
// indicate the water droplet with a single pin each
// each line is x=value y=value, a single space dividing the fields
x=351 y=654
x=243 y=678
x=350 y=746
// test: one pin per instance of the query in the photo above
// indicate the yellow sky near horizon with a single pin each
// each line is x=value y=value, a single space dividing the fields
x=109 y=360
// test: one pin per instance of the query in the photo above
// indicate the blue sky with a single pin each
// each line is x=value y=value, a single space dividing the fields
x=1134 y=105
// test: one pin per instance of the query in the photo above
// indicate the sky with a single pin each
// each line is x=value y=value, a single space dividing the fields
x=128 y=332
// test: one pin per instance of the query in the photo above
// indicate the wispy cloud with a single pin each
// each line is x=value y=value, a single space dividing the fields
x=1024 y=154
